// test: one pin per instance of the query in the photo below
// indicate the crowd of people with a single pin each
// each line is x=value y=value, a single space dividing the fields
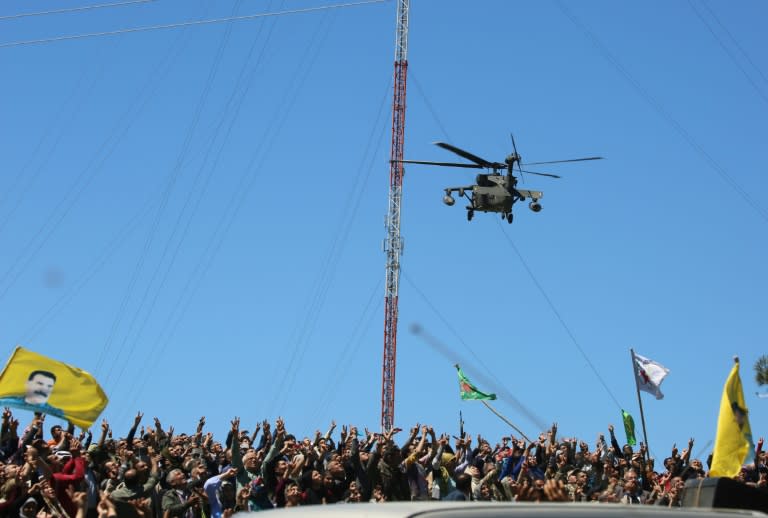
x=155 y=472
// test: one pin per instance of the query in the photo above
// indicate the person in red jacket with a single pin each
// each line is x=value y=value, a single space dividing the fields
x=72 y=473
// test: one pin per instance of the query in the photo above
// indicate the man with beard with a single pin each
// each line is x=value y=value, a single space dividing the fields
x=38 y=389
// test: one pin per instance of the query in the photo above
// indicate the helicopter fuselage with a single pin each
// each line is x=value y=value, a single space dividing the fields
x=493 y=194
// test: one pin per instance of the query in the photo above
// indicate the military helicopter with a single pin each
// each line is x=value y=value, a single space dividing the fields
x=494 y=191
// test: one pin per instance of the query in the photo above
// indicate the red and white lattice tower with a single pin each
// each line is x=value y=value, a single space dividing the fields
x=393 y=245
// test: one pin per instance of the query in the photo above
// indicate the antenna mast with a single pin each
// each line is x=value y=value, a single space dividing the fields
x=393 y=246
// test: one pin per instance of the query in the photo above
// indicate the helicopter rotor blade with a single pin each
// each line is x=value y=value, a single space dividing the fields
x=563 y=161
x=514 y=150
x=447 y=164
x=469 y=156
x=539 y=174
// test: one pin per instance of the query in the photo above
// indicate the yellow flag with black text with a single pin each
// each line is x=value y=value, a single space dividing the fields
x=733 y=442
x=34 y=382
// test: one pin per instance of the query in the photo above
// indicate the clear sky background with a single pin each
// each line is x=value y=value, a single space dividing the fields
x=195 y=215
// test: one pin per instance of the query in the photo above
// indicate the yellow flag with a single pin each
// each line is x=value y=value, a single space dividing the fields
x=35 y=382
x=733 y=442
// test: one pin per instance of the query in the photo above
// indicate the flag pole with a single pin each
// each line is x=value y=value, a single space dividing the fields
x=640 y=402
x=505 y=420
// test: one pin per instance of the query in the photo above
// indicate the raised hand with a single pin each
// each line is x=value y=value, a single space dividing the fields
x=140 y=505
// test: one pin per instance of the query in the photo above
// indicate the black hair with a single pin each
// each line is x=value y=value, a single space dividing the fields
x=47 y=374
x=463 y=482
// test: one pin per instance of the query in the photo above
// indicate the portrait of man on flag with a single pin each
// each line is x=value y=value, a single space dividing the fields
x=37 y=390
x=34 y=382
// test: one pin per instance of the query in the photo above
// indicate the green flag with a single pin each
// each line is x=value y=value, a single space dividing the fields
x=468 y=390
x=629 y=427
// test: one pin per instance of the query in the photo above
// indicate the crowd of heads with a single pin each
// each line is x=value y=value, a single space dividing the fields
x=156 y=472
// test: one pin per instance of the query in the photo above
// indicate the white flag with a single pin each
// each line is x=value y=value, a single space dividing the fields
x=649 y=375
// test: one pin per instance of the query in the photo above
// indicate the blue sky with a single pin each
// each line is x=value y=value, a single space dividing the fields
x=196 y=215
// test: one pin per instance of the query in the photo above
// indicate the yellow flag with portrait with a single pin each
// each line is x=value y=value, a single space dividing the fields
x=34 y=382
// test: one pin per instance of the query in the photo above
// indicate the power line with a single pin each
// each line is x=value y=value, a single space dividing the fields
x=557 y=314
x=735 y=42
x=187 y=24
x=454 y=357
x=173 y=177
x=650 y=99
x=73 y=9
x=239 y=195
x=727 y=50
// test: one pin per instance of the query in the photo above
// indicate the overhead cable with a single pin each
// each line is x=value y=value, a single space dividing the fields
x=734 y=41
x=664 y=113
x=728 y=51
x=559 y=317
x=73 y=9
x=186 y=24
